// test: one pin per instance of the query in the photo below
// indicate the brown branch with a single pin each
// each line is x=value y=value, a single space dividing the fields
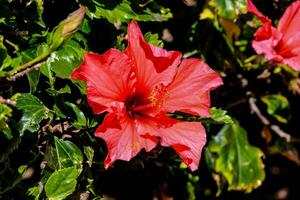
x=26 y=71
x=7 y=101
x=266 y=122
x=255 y=109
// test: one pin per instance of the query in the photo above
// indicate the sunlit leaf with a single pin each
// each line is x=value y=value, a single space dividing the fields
x=154 y=39
x=34 y=111
x=63 y=154
x=277 y=106
x=122 y=11
x=219 y=115
x=238 y=161
x=206 y=14
x=231 y=8
x=63 y=61
x=61 y=183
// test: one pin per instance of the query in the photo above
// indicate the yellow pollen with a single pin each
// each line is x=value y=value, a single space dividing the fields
x=158 y=95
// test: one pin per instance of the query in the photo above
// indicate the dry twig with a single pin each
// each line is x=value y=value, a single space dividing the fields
x=266 y=122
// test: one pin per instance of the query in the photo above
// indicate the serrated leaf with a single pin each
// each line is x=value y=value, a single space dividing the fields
x=238 y=161
x=61 y=183
x=277 y=106
x=63 y=154
x=229 y=9
x=34 y=111
x=220 y=116
x=122 y=11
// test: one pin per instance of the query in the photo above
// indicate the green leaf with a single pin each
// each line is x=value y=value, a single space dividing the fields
x=154 y=39
x=65 y=60
x=229 y=9
x=219 y=115
x=5 y=113
x=81 y=121
x=35 y=191
x=239 y=162
x=39 y=11
x=277 y=106
x=61 y=183
x=34 y=111
x=64 y=90
x=3 y=51
x=58 y=112
x=89 y=153
x=64 y=154
x=122 y=11
x=33 y=79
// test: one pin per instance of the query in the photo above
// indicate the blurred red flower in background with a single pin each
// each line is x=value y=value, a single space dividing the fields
x=138 y=87
x=281 y=44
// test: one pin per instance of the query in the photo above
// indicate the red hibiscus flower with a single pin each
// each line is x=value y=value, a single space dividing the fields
x=281 y=44
x=137 y=88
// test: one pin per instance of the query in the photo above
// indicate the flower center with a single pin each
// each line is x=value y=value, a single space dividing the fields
x=137 y=104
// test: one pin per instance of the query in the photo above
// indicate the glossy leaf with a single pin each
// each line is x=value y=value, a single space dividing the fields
x=34 y=111
x=238 y=161
x=63 y=154
x=63 y=61
x=81 y=119
x=277 y=106
x=122 y=11
x=61 y=183
x=229 y=9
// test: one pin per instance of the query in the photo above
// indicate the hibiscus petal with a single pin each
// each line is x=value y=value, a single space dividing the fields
x=122 y=140
x=186 y=138
x=266 y=45
x=289 y=22
x=152 y=64
x=293 y=62
x=189 y=91
x=107 y=76
x=252 y=9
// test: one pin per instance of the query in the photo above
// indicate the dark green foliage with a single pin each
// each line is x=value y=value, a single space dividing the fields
x=48 y=149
